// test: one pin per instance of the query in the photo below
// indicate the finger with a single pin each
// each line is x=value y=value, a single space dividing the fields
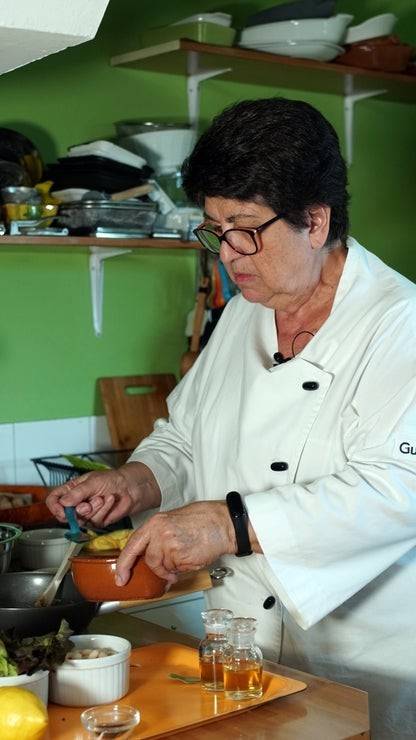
x=162 y=572
x=121 y=508
x=154 y=559
x=87 y=509
x=53 y=500
x=135 y=546
x=99 y=514
x=170 y=580
x=85 y=489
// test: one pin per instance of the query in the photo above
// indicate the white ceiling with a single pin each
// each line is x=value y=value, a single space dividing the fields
x=32 y=29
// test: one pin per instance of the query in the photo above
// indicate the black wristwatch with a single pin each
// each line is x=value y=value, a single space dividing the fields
x=239 y=518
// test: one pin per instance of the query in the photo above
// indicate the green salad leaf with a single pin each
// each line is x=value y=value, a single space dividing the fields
x=30 y=654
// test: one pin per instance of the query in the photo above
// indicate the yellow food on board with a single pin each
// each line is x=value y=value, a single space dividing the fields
x=116 y=540
x=22 y=715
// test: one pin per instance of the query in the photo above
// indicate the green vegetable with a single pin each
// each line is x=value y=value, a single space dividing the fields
x=184 y=679
x=30 y=654
x=7 y=668
x=80 y=462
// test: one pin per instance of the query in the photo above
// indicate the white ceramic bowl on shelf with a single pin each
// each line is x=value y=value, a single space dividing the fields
x=164 y=150
x=372 y=28
x=42 y=548
x=37 y=683
x=89 y=681
x=220 y=19
x=320 y=51
x=331 y=30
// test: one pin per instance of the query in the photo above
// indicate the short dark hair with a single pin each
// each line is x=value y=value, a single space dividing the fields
x=281 y=152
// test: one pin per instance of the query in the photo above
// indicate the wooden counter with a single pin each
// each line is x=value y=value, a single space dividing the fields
x=324 y=711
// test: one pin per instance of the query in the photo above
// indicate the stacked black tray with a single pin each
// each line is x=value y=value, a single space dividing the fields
x=95 y=173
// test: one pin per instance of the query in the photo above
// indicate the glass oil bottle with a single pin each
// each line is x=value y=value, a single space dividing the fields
x=243 y=661
x=211 y=648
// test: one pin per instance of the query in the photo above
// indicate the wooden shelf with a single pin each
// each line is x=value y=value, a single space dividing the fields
x=256 y=67
x=91 y=241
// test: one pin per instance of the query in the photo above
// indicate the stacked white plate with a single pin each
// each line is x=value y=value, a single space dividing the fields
x=322 y=51
x=309 y=38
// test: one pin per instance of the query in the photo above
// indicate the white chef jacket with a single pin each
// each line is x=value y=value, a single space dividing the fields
x=337 y=520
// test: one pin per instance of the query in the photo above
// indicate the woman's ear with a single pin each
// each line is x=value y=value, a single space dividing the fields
x=319 y=220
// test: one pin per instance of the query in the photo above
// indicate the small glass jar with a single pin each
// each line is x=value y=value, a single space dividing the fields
x=243 y=661
x=211 y=648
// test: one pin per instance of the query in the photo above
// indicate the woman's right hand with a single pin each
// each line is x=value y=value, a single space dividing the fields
x=105 y=497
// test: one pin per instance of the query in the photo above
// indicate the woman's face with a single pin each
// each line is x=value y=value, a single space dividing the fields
x=288 y=263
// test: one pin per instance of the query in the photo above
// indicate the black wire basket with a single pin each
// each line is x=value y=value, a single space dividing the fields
x=56 y=470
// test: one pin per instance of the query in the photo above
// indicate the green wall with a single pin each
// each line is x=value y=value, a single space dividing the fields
x=49 y=356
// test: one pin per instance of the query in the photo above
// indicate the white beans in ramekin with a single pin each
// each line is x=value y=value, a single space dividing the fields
x=85 y=682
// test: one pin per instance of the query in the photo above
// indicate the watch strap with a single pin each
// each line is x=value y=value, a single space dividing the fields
x=239 y=518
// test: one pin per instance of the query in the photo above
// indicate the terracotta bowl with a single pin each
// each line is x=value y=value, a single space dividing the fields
x=94 y=575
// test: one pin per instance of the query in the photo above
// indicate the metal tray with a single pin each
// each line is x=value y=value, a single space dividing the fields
x=122 y=214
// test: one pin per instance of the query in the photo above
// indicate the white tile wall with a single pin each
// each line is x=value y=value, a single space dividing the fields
x=7 y=454
x=20 y=442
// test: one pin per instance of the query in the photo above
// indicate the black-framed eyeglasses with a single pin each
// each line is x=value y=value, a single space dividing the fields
x=242 y=241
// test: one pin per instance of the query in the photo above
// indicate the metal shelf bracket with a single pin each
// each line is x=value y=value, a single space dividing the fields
x=96 y=265
x=196 y=75
x=352 y=96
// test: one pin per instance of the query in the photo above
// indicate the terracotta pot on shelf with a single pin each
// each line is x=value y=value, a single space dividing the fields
x=385 y=53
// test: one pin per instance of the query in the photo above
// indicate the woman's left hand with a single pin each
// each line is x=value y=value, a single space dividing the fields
x=180 y=540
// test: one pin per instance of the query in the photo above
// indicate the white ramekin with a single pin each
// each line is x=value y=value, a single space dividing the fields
x=37 y=683
x=42 y=548
x=84 y=683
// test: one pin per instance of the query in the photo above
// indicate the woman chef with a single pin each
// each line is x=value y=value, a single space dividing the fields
x=303 y=405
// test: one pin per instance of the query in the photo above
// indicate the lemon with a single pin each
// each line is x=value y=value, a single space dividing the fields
x=111 y=541
x=22 y=714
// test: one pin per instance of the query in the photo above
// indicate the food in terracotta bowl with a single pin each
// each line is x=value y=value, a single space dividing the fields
x=94 y=577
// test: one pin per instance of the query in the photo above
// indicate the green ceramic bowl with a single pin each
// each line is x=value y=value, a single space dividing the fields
x=202 y=31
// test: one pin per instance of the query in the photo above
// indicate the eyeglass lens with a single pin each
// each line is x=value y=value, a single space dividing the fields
x=241 y=241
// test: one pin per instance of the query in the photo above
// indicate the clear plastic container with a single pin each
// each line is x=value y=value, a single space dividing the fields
x=211 y=648
x=243 y=661
x=112 y=721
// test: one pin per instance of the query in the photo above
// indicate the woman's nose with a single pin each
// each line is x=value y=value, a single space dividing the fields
x=227 y=253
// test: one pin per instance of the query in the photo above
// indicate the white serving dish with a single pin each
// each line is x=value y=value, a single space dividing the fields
x=372 y=28
x=320 y=51
x=90 y=681
x=221 y=19
x=37 y=683
x=41 y=548
x=164 y=150
x=331 y=30
x=69 y=195
x=109 y=150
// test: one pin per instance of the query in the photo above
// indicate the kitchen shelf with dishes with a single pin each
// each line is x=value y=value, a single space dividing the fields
x=84 y=242
x=199 y=61
x=100 y=249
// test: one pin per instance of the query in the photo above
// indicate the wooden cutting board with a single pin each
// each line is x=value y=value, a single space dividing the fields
x=187 y=583
x=132 y=404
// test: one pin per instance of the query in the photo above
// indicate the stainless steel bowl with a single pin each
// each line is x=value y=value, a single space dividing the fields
x=130 y=128
x=17 y=194
x=9 y=533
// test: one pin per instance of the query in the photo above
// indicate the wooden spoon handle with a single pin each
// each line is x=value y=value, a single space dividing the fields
x=199 y=314
x=48 y=595
x=132 y=192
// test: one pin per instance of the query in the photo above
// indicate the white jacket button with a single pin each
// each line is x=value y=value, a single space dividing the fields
x=310 y=385
x=279 y=466
x=269 y=602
